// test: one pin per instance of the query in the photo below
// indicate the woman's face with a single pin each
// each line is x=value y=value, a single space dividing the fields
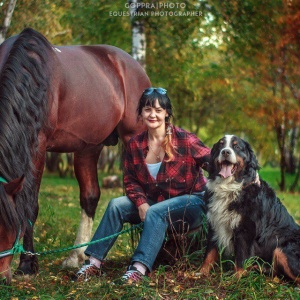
x=154 y=117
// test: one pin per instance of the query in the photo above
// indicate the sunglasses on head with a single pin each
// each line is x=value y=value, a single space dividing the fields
x=160 y=90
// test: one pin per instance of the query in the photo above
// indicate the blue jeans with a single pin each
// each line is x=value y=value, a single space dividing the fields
x=174 y=212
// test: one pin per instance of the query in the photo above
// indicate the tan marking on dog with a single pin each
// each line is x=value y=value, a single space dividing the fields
x=239 y=272
x=210 y=260
x=280 y=259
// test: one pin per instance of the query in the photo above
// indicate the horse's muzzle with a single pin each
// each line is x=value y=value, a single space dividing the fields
x=5 y=277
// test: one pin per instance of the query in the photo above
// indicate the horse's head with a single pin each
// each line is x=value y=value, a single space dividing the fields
x=9 y=232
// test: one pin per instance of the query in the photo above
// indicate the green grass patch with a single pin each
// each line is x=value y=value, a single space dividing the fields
x=57 y=226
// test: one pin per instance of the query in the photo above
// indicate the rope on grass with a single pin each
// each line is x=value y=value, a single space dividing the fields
x=139 y=226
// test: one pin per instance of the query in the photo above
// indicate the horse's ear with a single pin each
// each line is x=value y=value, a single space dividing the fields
x=15 y=186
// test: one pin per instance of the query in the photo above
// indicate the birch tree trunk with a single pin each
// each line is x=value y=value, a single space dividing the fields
x=138 y=33
x=7 y=19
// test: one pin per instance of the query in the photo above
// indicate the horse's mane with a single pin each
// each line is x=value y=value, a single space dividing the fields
x=24 y=89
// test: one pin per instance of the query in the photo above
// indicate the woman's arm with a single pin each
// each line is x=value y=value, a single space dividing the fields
x=133 y=188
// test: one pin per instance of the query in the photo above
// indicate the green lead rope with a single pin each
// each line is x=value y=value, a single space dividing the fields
x=18 y=248
x=3 y=180
x=21 y=249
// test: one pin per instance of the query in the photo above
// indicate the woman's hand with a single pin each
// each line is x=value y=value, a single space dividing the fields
x=143 y=210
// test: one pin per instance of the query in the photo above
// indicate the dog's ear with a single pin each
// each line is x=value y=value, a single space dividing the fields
x=211 y=167
x=252 y=162
x=214 y=150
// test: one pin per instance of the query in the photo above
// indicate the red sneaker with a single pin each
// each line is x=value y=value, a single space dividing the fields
x=132 y=275
x=87 y=271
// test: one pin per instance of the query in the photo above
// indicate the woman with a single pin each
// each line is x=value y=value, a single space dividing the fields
x=164 y=187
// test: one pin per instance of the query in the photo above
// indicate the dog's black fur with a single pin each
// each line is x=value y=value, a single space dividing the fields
x=245 y=217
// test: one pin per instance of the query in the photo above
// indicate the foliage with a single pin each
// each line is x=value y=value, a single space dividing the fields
x=230 y=69
x=74 y=21
x=43 y=16
x=92 y=23
x=260 y=35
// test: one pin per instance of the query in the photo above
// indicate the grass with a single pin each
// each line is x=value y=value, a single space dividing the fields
x=57 y=226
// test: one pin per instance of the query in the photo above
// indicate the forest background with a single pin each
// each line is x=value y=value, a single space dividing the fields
x=229 y=66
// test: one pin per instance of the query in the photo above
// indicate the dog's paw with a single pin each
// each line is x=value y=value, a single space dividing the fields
x=204 y=271
x=239 y=273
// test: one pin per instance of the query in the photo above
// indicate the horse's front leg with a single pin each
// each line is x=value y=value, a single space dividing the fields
x=29 y=263
x=85 y=167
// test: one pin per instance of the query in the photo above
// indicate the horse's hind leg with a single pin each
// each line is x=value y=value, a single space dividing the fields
x=85 y=167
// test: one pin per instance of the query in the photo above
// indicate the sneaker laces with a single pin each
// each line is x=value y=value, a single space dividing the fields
x=84 y=268
x=86 y=271
x=133 y=275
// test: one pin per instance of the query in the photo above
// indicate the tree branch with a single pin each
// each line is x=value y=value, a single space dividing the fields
x=7 y=19
x=292 y=88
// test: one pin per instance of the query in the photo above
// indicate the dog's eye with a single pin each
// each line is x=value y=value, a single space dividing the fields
x=236 y=146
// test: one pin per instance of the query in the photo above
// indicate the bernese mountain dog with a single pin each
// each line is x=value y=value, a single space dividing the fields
x=245 y=217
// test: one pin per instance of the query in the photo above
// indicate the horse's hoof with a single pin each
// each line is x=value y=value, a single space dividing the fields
x=27 y=267
x=70 y=262
x=75 y=260
x=23 y=277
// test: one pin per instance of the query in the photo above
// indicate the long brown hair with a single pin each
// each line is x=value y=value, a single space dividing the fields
x=148 y=98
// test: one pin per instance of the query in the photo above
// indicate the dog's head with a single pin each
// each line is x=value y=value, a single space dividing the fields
x=233 y=157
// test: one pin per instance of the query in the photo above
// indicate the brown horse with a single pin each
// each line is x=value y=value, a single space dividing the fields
x=63 y=99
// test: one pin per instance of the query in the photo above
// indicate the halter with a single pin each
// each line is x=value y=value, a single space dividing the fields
x=2 y=179
x=17 y=247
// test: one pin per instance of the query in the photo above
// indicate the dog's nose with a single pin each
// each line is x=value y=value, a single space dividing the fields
x=226 y=152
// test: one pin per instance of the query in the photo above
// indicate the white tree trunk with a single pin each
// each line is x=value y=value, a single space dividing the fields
x=7 y=19
x=138 y=33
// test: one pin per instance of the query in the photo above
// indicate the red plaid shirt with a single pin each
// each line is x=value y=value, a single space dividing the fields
x=180 y=176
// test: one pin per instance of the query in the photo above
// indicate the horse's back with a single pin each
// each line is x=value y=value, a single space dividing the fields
x=100 y=67
x=93 y=90
x=97 y=90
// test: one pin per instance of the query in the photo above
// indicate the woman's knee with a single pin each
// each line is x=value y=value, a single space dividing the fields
x=118 y=203
x=155 y=215
x=152 y=211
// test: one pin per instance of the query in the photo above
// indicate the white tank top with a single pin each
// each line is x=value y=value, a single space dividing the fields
x=153 y=169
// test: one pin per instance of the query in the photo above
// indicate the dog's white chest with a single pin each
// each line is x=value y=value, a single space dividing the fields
x=222 y=220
